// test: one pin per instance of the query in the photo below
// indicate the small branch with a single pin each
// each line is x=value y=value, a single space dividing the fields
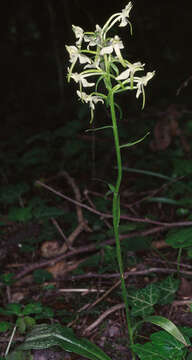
x=129 y=273
x=81 y=250
x=79 y=290
x=106 y=293
x=106 y=215
x=103 y=316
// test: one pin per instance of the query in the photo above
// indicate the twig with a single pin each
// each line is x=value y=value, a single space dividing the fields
x=55 y=223
x=103 y=316
x=122 y=306
x=129 y=273
x=106 y=215
x=106 y=293
x=169 y=262
x=82 y=223
x=86 y=193
x=182 y=302
x=84 y=249
x=80 y=290
x=77 y=194
x=80 y=227
x=81 y=250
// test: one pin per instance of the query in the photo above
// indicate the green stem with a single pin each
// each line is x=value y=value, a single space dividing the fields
x=116 y=214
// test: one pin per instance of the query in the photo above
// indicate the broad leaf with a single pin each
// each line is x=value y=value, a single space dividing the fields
x=19 y=355
x=168 y=288
x=169 y=326
x=44 y=336
x=142 y=300
x=11 y=309
x=180 y=238
x=162 y=346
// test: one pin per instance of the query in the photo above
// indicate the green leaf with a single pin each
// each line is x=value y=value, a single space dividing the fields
x=19 y=355
x=182 y=167
x=4 y=326
x=7 y=279
x=148 y=173
x=35 y=156
x=11 y=309
x=163 y=200
x=10 y=194
x=44 y=336
x=147 y=351
x=43 y=212
x=180 y=238
x=111 y=187
x=20 y=214
x=169 y=326
x=168 y=288
x=41 y=275
x=162 y=346
x=29 y=322
x=143 y=300
x=21 y=325
x=32 y=308
x=47 y=313
x=135 y=142
x=100 y=128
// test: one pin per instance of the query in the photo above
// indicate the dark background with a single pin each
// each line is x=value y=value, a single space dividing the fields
x=35 y=94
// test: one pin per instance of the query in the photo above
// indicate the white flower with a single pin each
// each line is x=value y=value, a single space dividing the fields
x=125 y=14
x=80 y=78
x=89 y=99
x=121 y=17
x=132 y=68
x=114 y=44
x=75 y=54
x=95 y=64
x=141 y=82
x=79 y=33
x=95 y=39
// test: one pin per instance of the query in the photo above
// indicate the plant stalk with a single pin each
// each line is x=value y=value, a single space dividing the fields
x=116 y=214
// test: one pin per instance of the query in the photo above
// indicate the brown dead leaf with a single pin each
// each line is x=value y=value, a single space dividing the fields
x=61 y=268
x=49 y=249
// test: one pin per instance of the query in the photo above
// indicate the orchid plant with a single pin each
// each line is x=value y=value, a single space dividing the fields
x=103 y=66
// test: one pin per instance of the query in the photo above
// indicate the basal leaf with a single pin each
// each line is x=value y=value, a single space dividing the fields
x=19 y=355
x=169 y=326
x=44 y=336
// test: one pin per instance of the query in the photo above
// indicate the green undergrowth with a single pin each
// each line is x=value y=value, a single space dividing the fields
x=42 y=156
